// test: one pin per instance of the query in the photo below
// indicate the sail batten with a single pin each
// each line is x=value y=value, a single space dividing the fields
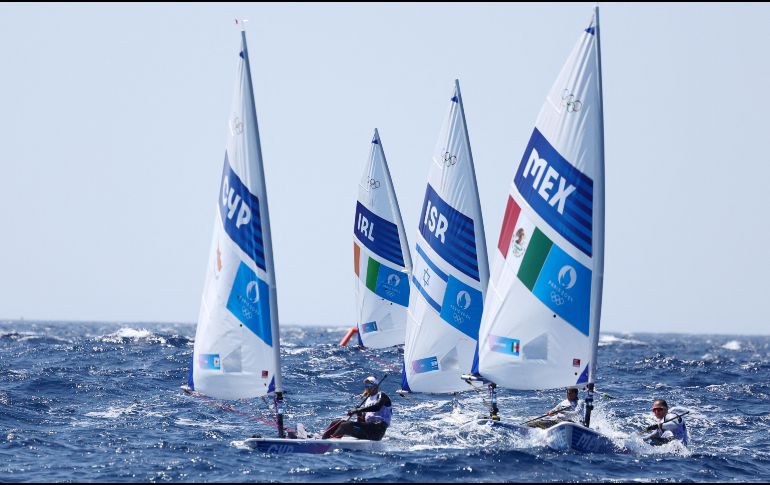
x=541 y=322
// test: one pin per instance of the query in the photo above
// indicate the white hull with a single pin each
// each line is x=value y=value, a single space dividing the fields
x=311 y=445
x=572 y=436
x=564 y=436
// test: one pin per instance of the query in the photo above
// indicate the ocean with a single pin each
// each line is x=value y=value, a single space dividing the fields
x=102 y=402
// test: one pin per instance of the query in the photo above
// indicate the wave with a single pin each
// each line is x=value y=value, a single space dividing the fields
x=732 y=345
x=127 y=335
x=605 y=339
x=33 y=337
x=113 y=412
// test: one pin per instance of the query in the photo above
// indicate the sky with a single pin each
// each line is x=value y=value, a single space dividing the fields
x=113 y=123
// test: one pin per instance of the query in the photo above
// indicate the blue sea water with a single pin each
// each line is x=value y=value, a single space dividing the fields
x=102 y=402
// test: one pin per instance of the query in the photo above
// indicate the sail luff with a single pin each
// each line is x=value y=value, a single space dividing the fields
x=599 y=208
x=399 y=221
x=264 y=214
x=481 y=240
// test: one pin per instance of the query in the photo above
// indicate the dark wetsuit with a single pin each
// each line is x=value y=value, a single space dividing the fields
x=377 y=410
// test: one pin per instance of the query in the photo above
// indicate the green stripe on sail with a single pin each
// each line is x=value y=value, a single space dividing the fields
x=537 y=251
x=372 y=269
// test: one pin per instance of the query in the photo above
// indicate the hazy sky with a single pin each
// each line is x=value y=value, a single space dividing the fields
x=113 y=122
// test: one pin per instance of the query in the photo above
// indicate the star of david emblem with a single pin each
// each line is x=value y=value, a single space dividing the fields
x=236 y=125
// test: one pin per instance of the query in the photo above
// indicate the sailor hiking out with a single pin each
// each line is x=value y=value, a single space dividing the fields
x=373 y=417
x=668 y=425
x=571 y=409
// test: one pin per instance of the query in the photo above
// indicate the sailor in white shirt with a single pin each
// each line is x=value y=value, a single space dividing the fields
x=668 y=425
x=570 y=409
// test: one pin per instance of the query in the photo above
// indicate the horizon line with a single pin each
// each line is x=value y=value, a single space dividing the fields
x=340 y=325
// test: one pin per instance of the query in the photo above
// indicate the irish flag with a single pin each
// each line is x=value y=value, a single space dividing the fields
x=382 y=280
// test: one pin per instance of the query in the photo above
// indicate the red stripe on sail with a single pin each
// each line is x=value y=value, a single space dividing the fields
x=512 y=211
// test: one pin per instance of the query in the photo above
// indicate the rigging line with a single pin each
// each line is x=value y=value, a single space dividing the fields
x=477 y=389
x=386 y=366
x=229 y=408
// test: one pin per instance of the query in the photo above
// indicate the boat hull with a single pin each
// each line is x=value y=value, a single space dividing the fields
x=563 y=436
x=572 y=436
x=311 y=445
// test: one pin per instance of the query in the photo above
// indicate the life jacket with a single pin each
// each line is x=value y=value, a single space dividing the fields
x=381 y=415
x=570 y=410
x=677 y=428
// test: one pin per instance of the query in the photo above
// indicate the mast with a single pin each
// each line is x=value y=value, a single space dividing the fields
x=268 y=246
x=598 y=235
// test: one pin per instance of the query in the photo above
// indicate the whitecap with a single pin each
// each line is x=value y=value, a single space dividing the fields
x=732 y=345
x=205 y=424
x=112 y=412
x=605 y=339
x=128 y=333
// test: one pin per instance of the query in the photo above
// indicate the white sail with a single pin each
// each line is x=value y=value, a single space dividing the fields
x=541 y=322
x=451 y=271
x=237 y=340
x=382 y=264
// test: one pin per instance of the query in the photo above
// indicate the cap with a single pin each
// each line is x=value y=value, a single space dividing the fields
x=370 y=381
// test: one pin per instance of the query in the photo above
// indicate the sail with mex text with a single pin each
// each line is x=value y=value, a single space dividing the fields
x=541 y=323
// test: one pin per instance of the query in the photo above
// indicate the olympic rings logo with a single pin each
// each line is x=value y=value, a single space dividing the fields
x=556 y=298
x=568 y=100
x=247 y=312
x=449 y=159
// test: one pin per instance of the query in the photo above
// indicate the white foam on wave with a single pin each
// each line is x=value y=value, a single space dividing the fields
x=131 y=334
x=241 y=445
x=606 y=339
x=732 y=345
x=206 y=424
x=49 y=337
x=113 y=412
x=297 y=351
x=636 y=445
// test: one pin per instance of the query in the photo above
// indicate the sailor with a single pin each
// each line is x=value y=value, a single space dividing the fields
x=668 y=426
x=570 y=409
x=373 y=417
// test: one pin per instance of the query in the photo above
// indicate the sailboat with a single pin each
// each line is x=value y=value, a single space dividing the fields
x=381 y=260
x=237 y=340
x=540 y=328
x=450 y=275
